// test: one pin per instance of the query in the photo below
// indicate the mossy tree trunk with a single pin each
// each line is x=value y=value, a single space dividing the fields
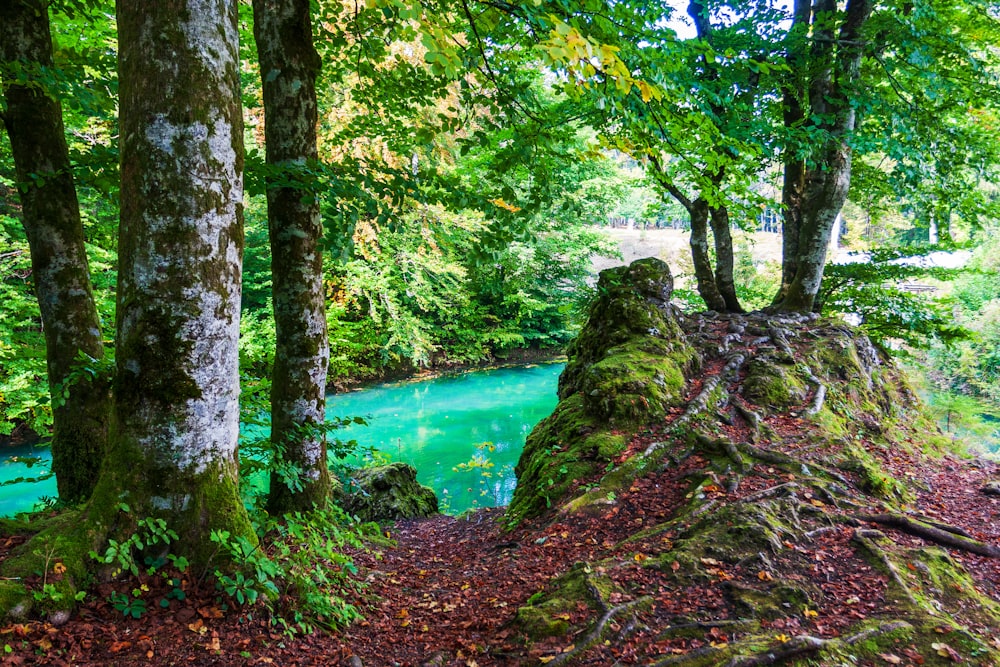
x=51 y=220
x=818 y=186
x=289 y=65
x=173 y=448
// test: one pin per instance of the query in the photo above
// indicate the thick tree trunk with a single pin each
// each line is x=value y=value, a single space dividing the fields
x=833 y=65
x=289 y=65
x=826 y=191
x=51 y=219
x=724 y=281
x=703 y=274
x=173 y=450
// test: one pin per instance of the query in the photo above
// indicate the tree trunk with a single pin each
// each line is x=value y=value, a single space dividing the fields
x=173 y=450
x=724 y=281
x=832 y=65
x=703 y=273
x=289 y=65
x=51 y=220
x=826 y=191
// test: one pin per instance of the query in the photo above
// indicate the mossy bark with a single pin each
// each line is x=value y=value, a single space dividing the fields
x=289 y=65
x=51 y=220
x=173 y=444
x=820 y=189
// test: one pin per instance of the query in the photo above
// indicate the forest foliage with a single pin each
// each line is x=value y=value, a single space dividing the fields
x=462 y=185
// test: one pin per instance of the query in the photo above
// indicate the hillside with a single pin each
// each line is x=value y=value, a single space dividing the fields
x=711 y=490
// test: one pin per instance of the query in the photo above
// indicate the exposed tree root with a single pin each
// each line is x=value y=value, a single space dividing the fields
x=865 y=539
x=947 y=538
x=779 y=459
x=804 y=644
x=700 y=403
x=751 y=417
x=796 y=647
x=592 y=637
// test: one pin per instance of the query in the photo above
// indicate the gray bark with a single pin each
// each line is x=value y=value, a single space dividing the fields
x=289 y=65
x=173 y=452
x=833 y=66
x=724 y=260
x=61 y=275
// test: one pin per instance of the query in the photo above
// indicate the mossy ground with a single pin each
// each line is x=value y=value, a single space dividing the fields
x=827 y=414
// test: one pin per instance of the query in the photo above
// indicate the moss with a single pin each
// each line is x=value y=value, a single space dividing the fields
x=387 y=493
x=937 y=597
x=564 y=447
x=628 y=366
x=872 y=475
x=774 y=601
x=773 y=385
x=548 y=614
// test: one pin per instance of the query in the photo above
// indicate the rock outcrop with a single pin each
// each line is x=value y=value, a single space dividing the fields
x=779 y=436
x=387 y=493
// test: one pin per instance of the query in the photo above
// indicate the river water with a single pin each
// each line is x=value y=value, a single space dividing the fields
x=463 y=433
x=439 y=426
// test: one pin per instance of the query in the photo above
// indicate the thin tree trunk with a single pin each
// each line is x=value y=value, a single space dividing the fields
x=724 y=280
x=173 y=450
x=51 y=220
x=289 y=65
x=703 y=273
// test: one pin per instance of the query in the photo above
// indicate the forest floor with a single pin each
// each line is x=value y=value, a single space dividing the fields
x=448 y=591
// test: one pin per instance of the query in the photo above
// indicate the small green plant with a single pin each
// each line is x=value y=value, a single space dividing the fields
x=128 y=605
x=148 y=532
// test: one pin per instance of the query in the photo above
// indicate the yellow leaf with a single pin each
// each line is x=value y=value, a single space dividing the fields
x=402 y=613
x=891 y=658
x=466 y=587
x=569 y=648
x=783 y=638
x=58 y=568
x=640 y=557
x=764 y=575
x=546 y=658
x=405 y=623
x=810 y=613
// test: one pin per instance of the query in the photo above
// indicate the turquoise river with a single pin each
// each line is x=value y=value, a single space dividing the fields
x=463 y=433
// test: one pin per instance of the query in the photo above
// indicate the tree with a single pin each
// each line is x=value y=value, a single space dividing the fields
x=173 y=450
x=819 y=101
x=51 y=220
x=289 y=65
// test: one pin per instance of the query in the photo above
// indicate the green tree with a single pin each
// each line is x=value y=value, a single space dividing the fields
x=61 y=275
x=173 y=452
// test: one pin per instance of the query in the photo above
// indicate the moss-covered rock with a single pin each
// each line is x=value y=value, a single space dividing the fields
x=387 y=493
x=628 y=366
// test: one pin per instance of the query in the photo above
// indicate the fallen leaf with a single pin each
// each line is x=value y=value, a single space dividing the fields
x=890 y=658
x=810 y=613
x=210 y=612
x=764 y=575
x=213 y=644
x=58 y=568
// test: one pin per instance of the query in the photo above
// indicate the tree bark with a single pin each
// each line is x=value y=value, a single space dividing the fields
x=833 y=65
x=173 y=450
x=289 y=65
x=724 y=280
x=61 y=275
x=700 y=257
